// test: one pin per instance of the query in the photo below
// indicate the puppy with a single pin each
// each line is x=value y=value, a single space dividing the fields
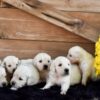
x=59 y=74
x=10 y=63
x=77 y=54
x=25 y=74
x=3 y=77
x=42 y=62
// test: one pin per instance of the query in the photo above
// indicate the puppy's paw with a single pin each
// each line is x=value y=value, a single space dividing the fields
x=42 y=88
x=13 y=88
x=63 y=92
x=84 y=82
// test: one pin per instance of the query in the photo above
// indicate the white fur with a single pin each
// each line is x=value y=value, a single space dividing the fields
x=3 y=77
x=26 y=61
x=85 y=60
x=0 y=62
x=28 y=73
x=11 y=61
x=46 y=60
x=57 y=75
x=75 y=75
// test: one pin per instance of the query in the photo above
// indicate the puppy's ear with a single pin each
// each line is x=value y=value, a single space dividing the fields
x=3 y=64
x=30 y=81
x=19 y=62
x=52 y=61
x=34 y=62
x=52 y=67
x=0 y=62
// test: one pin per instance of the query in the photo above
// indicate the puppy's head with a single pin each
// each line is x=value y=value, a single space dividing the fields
x=42 y=61
x=10 y=63
x=75 y=54
x=61 y=66
x=19 y=79
x=3 y=77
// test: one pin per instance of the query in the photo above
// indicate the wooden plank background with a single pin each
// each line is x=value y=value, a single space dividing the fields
x=26 y=49
x=24 y=26
x=58 y=18
x=74 y=5
x=24 y=35
x=70 y=5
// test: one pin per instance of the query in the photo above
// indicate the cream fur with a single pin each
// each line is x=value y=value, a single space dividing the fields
x=85 y=60
x=46 y=61
x=28 y=74
x=11 y=61
x=3 y=77
x=58 y=76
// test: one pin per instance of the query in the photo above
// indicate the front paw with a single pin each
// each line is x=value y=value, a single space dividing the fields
x=13 y=88
x=42 y=88
x=63 y=92
x=84 y=82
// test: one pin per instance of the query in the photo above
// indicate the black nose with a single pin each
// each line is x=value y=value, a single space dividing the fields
x=13 y=83
x=45 y=67
x=13 y=70
x=66 y=71
x=4 y=84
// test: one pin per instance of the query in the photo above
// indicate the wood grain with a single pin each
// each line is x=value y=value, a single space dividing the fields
x=74 y=5
x=27 y=49
x=91 y=18
x=16 y=24
x=70 y=5
x=46 y=12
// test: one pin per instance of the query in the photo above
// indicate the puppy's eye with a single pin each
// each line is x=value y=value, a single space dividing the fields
x=20 y=79
x=9 y=65
x=60 y=65
x=68 y=64
x=48 y=61
x=40 y=61
x=70 y=55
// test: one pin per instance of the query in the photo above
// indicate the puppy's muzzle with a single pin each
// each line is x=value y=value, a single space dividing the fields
x=4 y=84
x=13 y=83
x=45 y=67
x=66 y=71
x=14 y=70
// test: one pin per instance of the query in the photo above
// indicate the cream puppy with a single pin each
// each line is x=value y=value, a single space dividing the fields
x=10 y=63
x=25 y=74
x=85 y=60
x=42 y=62
x=3 y=77
x=59 y=74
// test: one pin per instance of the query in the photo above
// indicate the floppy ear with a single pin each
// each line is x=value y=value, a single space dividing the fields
x=52 y=67
x=3 y=64
x=34 y=62
x=0 y=62
x=19 y=62
x=30 y=81
x=52 y=61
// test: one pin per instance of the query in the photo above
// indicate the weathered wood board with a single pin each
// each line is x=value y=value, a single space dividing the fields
x=24 y=35
x=74 y=5
x=27 y=49
x=16 y=24
x=56 y=17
